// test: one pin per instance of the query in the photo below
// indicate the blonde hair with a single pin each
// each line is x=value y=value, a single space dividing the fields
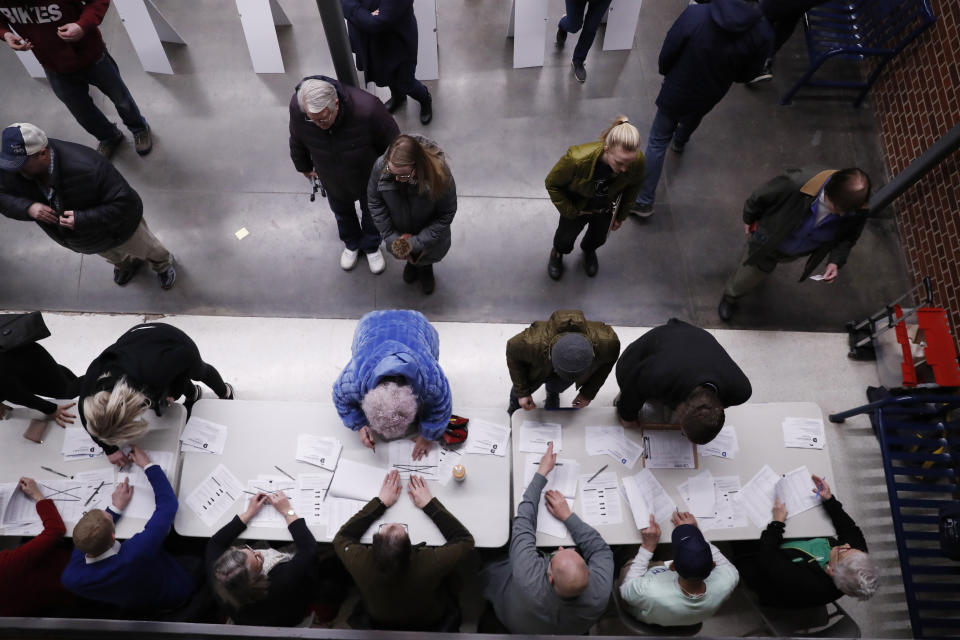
x=315 y=95
x=432 y=172
x=621 y=135
x=93 y=533
x=114 y=417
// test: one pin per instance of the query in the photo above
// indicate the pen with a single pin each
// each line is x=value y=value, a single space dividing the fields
x=820 y=486
x=56 y=472
x=598 y=472
x=537 y=464
x=284 y=473
x=95 y=492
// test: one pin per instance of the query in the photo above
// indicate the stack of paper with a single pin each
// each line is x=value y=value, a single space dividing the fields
x=756 y=498
x=562 y=478
x=701 y=495
x=356 y=480
x=797 y=491
x=612 y=441
x=486 y=438
x=401 y=459
x=319 y=451
x=20 y=515
x=803 y=433
x=668 y=449
x=655 y=499
x=268 y=516
x=725 y=445
x=77 y=444
x=534 y=436
x=726 y=515
x=599 y=499
x=215 y=496
x=203 y=436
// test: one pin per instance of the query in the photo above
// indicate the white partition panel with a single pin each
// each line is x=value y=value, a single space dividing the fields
x=528 y=27
x=147 y=29
x=428 y=57
x=259 y=19
x=622 y=20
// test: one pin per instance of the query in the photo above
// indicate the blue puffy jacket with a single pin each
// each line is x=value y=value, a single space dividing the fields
x=708 y=48
x=395 y=343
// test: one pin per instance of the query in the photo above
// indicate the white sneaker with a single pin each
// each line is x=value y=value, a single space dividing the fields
x=348 y=259
x=376 y=262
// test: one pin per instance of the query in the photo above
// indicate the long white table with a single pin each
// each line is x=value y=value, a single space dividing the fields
x=21 y=457
x=263 y=435
x=760 y=438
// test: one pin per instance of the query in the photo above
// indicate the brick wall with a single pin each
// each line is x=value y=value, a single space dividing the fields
x=916 y=101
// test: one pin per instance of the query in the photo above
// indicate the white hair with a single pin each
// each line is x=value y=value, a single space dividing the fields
x=390 y=408
x=856 y=575
x=314 y=95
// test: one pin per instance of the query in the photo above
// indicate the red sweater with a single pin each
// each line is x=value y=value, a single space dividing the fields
x=38 y=20
x=30 y=574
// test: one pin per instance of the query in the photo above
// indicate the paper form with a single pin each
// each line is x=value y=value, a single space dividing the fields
x=77 y=445
x=268 y=516
x=703 y=495
x=310 y=493
x=546 y=523
x=340 y=510
x=726 y=515
x=600 y=500
x=319 y=451
x=356 y=480
x=563 y=477
x=803 y=433
x=163 y=459
x=667 y=449
x=658 y=501
x=203 y=436
x=401 y=459
x=486 y=438
x=756 y=498
x=534 y=436
x=725 y=445
x=612 y=441
x=215 y=496
x=797 y=491
x=637 y=503
x=448 y=459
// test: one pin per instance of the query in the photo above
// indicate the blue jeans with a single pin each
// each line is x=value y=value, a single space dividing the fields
x=73 y=89
x=664 y=129
x=356 y=234
x=575 y=19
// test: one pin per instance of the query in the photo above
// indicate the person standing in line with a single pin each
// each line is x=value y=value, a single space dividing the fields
x=63 y=34
x=592 y=186
x=383 y=35
x=585 y=14
x=28 y=372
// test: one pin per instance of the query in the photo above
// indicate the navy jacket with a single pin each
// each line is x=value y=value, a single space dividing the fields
x=708 y=48
x=385 y=44
x=342 y=155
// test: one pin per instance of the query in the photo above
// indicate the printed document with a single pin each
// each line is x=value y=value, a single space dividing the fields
x=563 y=477
x=658 y=501
x=534 y=436
x=203 y=436
x=356 y=480
x=77 y=444
x=318 y=450
x=803 y=433
x=486 y=438
x=725 y=445
x=797 y=491
x=401 y=459
x=703 y=495
x=215 y=496
x=612 y=441
x=600 y=499
x=268 y=516
x=668 y=449
x=756 y=498
x=310 y=493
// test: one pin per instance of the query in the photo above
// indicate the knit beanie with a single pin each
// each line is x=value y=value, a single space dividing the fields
x=572 y=355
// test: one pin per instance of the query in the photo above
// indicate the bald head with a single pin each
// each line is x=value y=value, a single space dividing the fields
x=568 y=573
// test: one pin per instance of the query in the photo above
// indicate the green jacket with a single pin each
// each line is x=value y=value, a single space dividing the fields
x=528 y=352
x=570 y=182
x=780 y=206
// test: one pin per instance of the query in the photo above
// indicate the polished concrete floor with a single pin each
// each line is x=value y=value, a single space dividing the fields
x=221 y=162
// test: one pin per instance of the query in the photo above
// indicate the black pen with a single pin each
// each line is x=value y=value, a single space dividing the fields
x=602 y=469
x=95 y=492
x=284 y=473
x=56 y=472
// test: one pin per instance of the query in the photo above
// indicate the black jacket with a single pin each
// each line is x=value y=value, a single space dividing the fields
x=106 y=209
x=343 y=155
x=292 y=583
x=669 y=361
x=30 y=371
x=791 y=578
x=156 y=358
x=385 y=44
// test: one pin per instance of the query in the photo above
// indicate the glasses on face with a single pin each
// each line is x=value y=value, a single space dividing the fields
x=401 y=176
x=317 y=118
x=390 y=524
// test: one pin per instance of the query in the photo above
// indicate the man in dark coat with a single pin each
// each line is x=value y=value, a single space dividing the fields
x=796 y=215
x=684 y=368
x=80 y=200
x=383 y=35
x=336 y=134
x=708 y=48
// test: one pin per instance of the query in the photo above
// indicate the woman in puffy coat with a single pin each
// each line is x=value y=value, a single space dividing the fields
x=394 y=380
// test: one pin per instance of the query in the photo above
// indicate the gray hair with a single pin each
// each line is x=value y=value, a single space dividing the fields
x=856 y=575
x=390 y=408
x=234 y=584
x=314 y=95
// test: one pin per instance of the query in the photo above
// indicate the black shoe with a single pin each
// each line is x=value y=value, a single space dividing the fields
x=410 y=273
x=561 y=37
x=590 y=263
x=642 y=209
x=765 y=75
x=189 y=402
x=395 y=103
x=552 y=401
x=676 y=148
x=579 y=71
x=106 y=148
x=427 y=282
x=426 y=111
x=167 y=278
x=555 y=265
x=143 y=141
x=123 y=276
x=727 y=306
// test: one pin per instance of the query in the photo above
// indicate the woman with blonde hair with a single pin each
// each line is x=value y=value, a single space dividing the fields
x=413 y=198
x=593 y=185
x=151 y=365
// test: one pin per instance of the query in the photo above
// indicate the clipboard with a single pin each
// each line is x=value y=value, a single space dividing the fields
x=659 y=426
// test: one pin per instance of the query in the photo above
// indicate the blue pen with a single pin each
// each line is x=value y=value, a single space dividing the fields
x=820 y=486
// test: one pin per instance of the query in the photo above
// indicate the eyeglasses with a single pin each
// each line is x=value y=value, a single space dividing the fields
x=390 y=524
x=401 y=176
x=330 y=117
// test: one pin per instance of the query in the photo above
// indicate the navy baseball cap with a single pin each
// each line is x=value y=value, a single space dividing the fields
x=691 y=552
x=21 y=139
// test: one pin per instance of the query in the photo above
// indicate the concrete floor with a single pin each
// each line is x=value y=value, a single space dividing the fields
x=221 y=163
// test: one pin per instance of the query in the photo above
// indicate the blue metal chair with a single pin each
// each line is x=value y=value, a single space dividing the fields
x=857 y=30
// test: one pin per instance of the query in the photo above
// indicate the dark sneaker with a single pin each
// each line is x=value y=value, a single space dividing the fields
x=561 y=37
x=123 y=276
x=579 y=71
x=395 y=103
x=552 y=401
x=143 y=141
x=642 y=209
x=426 y=112
x=555 y=265
x=765 y=75
x=727 y=306
x=427 y=282
x=107 y=148
x=167 y=278
x=590 y=263
x=410 y=273
x=676 y=148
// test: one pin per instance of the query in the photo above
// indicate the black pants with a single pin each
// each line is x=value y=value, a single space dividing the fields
x=597 y=224
x=405 y=83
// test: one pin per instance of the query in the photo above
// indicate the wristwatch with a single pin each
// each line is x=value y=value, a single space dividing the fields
x=291 y=513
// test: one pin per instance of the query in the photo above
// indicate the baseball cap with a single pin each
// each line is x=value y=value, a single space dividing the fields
x=572 y=355
x=691 y=553
x=21 y=139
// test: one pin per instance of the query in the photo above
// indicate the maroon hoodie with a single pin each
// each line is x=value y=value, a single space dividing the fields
x=38 y=20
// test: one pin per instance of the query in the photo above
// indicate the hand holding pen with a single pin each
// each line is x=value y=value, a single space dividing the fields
x=823 y=489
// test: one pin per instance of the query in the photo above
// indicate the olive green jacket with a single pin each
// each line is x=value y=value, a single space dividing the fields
x=528 y=352
x=570 y=182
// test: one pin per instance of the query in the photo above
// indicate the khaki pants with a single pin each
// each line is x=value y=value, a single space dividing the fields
x=142 y=245
x=747 y=277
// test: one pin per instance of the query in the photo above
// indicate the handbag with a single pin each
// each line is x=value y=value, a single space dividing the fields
x=18 y=329
x=456 y=430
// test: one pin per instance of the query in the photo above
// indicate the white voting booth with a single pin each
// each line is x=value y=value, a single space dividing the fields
x=622 y=21
x=260 y=19
x=148 y=29
x=428 y=57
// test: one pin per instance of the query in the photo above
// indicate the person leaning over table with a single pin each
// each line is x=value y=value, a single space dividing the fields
x=403 y=586
x=29 y=371
x=810 y=573
x=149 y=366
x=30 y=574
x=266 y=587
x=394 y=380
